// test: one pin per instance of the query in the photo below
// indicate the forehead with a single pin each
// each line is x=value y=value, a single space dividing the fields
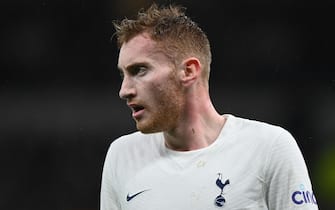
x=139 y=49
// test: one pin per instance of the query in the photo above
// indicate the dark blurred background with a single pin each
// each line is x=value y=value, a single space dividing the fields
x=59 y=106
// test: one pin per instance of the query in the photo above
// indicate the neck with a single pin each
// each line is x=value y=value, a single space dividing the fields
x=198 y=127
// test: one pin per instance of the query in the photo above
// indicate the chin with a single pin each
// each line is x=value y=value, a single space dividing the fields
x=147 y=131
x=145 y=128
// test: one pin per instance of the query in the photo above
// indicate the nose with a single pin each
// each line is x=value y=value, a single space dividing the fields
x=127 y=89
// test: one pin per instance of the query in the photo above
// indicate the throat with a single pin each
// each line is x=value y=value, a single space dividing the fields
x=191 y=140
x=194 y=137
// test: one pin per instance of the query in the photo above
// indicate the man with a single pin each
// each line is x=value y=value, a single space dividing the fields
x=186 y=155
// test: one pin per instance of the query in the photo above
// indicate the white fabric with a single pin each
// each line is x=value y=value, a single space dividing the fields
x=251 y=165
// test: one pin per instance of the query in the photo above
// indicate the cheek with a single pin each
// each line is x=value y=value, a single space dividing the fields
x=165 y=91
x=169 y=95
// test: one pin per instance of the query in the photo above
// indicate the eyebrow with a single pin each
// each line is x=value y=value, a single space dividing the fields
x=132 y=66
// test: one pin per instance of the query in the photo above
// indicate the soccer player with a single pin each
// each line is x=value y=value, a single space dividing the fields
x=185 y=155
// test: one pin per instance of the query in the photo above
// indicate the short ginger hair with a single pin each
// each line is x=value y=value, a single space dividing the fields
x=177 y=36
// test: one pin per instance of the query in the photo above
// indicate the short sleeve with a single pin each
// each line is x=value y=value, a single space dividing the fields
x=288 y=185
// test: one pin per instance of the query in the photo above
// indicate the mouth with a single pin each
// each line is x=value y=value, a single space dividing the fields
x=137 y=110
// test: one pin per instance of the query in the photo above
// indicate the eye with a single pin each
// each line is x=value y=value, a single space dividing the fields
x=138 y=70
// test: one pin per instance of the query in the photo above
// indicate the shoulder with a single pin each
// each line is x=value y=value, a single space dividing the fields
x=134 y=143
x=129 y=139
x=259 y=136
x=135 y=138
x=129 y=153
x=256 y=129
x=276 y=142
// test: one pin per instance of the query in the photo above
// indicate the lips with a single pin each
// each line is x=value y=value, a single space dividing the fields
x=136 y=109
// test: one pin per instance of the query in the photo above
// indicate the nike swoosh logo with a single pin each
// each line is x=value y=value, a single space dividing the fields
x=130 y=197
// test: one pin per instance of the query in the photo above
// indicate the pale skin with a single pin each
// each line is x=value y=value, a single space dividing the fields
x=165 y=98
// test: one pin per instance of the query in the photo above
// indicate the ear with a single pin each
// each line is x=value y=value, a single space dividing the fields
x=191 y=71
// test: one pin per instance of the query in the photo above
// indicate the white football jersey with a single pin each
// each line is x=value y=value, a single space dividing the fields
x=251 y=165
